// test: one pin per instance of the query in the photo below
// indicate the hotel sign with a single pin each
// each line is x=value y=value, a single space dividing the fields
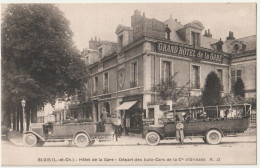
x=188 y=52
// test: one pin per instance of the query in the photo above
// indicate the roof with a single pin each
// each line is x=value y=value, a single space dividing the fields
x=174 y=26
x=206 y=42
x=249 y=42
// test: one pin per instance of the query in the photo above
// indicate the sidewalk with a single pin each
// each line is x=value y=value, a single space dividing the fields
x=132 y=141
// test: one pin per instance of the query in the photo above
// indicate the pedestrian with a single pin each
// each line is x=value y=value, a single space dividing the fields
x=118 y=128
x=103 y=117
x=179 y=130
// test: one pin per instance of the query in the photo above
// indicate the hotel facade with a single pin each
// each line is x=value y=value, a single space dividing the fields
x=122 y=74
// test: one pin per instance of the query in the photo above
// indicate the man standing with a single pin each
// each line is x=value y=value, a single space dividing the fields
x=179 y=130
x=104 y=118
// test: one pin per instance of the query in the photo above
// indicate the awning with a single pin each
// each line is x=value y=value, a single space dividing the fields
x=126 y=105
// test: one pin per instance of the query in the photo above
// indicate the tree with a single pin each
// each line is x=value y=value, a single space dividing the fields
x=168 y=90
x=211 y=95
x=39 y=59
x=239 y=88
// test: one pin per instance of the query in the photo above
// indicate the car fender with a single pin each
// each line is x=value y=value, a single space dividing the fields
x=81 y=131
x=213 y=128
x=36 y=134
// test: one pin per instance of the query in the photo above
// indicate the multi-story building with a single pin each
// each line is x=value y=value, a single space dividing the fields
x=122 y=75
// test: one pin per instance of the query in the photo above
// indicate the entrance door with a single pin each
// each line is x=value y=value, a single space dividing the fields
x=134 y=121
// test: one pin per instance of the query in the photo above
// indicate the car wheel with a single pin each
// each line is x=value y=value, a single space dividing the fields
x=81 y=140
x=40 y=143
x=152 y=138
x=29 y=140
x=213 y=137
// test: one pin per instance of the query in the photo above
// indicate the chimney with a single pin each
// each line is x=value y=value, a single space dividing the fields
x=230 y=36
x=176 y=20
x=144 y=15
x=206 y=33
x=209 y=34
x=93 y=44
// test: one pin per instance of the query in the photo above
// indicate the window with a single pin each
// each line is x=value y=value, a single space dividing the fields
x=105 y=84
x=150 y=112
x=95 y=84
x=235 y=75
x=166 y=70
x=195 y=77
x=120 y=41
x=239 y=74
x=134 y=74
x=236 y=47
x=220 y=76
x=195 y=39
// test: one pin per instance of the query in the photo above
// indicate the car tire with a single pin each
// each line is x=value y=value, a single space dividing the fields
x=29 y=140
x=152 y=138
x=81 y=140
x=40 y=143
x=213 y=137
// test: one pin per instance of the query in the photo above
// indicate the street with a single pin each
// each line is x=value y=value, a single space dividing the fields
x=232 y=150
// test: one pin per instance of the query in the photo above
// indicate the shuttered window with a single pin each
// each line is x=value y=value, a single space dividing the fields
x=195 y=77
x=166 y=70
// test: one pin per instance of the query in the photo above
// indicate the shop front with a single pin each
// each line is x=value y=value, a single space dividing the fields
x=131 y=113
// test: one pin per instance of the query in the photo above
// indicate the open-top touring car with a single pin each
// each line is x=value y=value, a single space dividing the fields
x=209 y=123
x=82 y=133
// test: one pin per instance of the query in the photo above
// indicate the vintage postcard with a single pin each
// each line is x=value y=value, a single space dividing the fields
x=143 y=84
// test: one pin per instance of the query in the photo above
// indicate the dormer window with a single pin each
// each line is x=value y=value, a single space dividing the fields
x=195 y=39
x=120 y=41
x=236 y=48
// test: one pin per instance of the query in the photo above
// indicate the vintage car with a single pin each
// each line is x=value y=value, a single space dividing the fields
x=208 y=123
x=82 y=133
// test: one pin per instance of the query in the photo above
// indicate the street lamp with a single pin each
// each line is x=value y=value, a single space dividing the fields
x=24 y=119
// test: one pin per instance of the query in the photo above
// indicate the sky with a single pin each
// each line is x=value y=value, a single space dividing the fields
x=101 y=20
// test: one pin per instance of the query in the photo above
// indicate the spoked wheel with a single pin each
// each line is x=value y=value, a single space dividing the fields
x=152 y=138
x=213 y=137
x=29 y=140
x=81 y=140
x=39 y=143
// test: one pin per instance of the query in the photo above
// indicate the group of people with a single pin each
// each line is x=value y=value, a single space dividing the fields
x=118 y=124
